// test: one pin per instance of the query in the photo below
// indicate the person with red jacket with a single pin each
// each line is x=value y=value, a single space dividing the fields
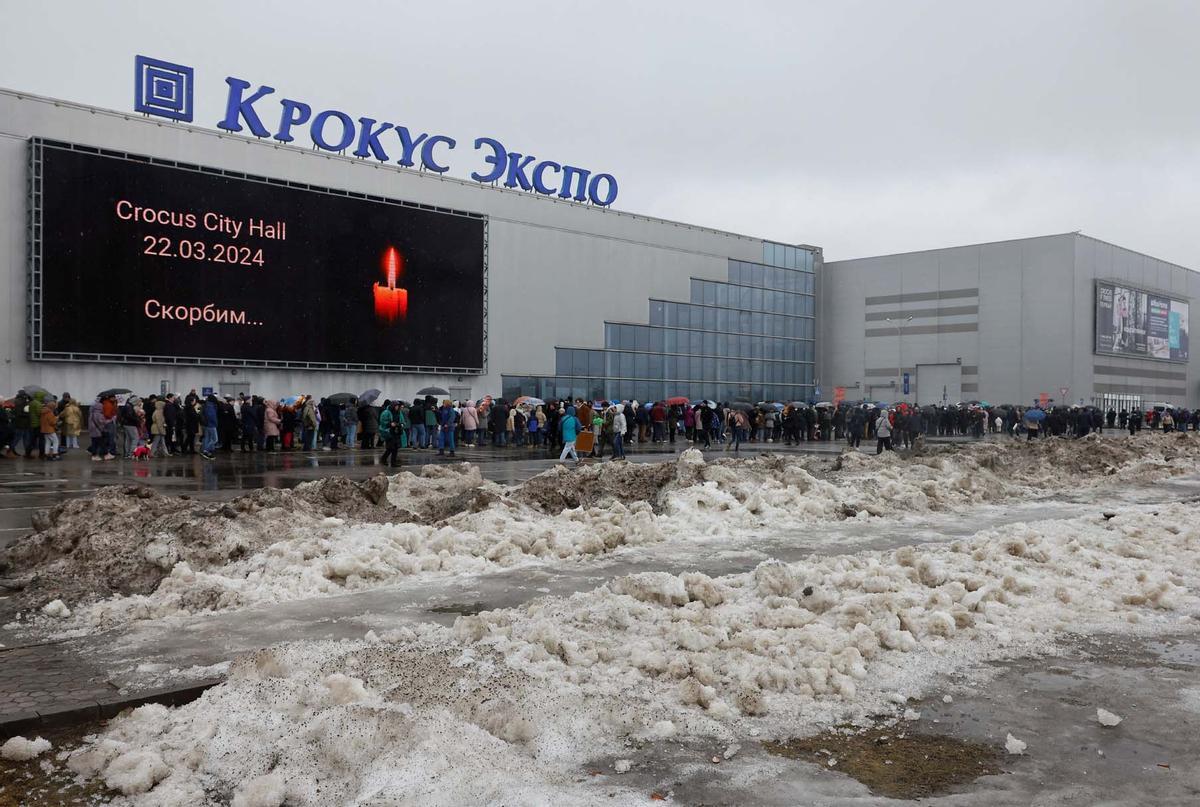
x=658 y=420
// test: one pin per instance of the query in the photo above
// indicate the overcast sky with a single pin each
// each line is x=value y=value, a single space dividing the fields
x=863 y=127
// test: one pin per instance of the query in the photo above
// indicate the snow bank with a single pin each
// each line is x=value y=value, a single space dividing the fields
x=156 y=557
x=855 y=629
x=19 y=749
x=351 y=723
x=507 y=705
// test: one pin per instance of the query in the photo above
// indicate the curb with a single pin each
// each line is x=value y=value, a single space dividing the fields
x=20 y=722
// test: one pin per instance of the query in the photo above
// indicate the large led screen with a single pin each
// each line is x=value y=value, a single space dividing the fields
x=139 y=259
x=1145 y=324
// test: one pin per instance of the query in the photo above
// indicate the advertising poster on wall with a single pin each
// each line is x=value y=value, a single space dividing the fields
x=152 y=261
x=1140 y=324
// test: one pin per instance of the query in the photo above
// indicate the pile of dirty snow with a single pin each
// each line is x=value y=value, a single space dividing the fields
x=508 y=705
x=125 y=540
x=132 y=554
x=961 y=474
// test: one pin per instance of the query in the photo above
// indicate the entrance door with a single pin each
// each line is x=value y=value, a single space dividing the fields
x=235 y=388
x=939 y=384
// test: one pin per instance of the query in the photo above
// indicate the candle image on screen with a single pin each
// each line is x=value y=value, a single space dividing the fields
x=391 y=302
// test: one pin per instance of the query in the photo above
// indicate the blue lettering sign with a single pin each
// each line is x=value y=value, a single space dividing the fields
x=368 y=140
x=237 y=107
x=427 y=158
x=165 y=89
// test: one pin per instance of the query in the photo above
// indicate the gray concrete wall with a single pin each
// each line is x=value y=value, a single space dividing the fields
x=1017 y=316
x=557 y=269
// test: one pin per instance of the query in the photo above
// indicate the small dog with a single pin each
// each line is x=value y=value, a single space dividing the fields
x=141 y=453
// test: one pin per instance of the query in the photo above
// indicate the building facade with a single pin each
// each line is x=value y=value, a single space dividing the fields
x=1008 y=322
x=584 y=301
x=580 y=300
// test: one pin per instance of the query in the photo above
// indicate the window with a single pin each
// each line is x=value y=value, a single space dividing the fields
x=658 y=312
x=641 y=365
x=656 y=339
x=579 y=362
x=596 y=363
x=642 y=338
x=626 y=365
x=562 y=361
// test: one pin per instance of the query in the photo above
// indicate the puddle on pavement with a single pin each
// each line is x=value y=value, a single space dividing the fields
x=1177 y=653
x=899 y=765
x=464 y=609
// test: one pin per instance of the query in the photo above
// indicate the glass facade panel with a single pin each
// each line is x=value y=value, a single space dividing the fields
x=596 y=363
x=746 y=337
x=579 y=363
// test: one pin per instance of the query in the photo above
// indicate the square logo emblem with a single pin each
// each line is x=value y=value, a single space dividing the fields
x=163 y=89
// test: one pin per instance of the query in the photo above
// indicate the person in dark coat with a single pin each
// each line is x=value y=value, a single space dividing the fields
x=249 y=426
x=368 y=425
x=210 y=419
x=287 y=426
x=855 y=425
x=227 y=424
x=172 y=415
x=416 y=419
x=704 y=419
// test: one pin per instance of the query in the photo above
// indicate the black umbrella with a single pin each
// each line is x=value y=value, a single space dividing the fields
x=745 y=406
x=114 y=392
x=342 y=397
x=34 y=388
x=368 y=397
x=433 y=391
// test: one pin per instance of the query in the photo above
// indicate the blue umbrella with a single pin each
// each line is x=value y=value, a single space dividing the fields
x=1036 y=415
x=290 y=400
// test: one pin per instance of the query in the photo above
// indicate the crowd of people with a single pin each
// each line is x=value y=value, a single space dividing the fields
x=126 y=425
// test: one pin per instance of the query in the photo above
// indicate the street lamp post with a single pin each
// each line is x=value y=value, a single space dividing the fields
x=899 y=358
